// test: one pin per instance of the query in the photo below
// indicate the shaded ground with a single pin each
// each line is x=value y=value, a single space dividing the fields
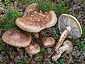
x=9 y=54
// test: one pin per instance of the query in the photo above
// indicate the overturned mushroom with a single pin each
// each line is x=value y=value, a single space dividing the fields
x=34 y=21
x=17 y=37
x=32 y=49
x=67 y=46
x=70 y=26
x=48 y=42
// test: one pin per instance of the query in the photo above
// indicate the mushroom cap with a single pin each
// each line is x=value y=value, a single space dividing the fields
x=30 y=8
x=32 y=49
x=69 y=45
x=17 y=37
x=69 y=20
x=48 y=42
x=34 y=21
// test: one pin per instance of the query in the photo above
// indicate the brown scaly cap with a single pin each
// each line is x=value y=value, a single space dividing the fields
x=48 y=42
x=30 y=8
x=70 y=46
x=17 y=37
x=32 y=49
x=34 y=21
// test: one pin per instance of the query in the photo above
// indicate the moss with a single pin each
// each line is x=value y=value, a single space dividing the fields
x=61 y=61
x=39 y=57
x=22 y=61
x=50 y=6
x=60 y=9
x=31 y=2
x=45 y=6
x=80 y=43
x=2 y=45
x=55 y=36
x=8 y=21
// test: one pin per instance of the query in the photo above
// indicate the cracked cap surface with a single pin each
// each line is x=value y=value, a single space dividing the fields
x=17 y=37
x=32 y=49
x=34 y=21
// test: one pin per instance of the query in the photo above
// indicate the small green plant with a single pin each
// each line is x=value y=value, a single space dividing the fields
x=83 y=33
x=31 y=2
x=45 y=6
x=43 y=51
x=22 y=61
x=2 y=45
x=50 y=6
x=55 y=36
x=72 y=39
x=60 y=9
x=80 y=44
x=6 y=7
x=6 y=2
x=81 y=41
x=61 y=61
x=8 y=21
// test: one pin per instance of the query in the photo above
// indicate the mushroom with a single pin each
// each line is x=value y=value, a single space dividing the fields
x=32 y=49
x=67 y=46
x=48 y=42
x=35 y=21
x=17 y=37
x=70 y=26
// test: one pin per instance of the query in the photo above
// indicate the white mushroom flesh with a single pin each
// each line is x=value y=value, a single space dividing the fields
x=59 y=52
x=62 y=37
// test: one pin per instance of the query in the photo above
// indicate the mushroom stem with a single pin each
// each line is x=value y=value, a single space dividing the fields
x=36 y=35
x=62 y=37
x=30 y=55
x=20 y=51
x=59 y=52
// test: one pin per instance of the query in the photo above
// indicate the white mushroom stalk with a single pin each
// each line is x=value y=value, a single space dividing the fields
x=69 y=26
x=36 y=35
x=67 y=46
x=62 y=37
x=20 y=51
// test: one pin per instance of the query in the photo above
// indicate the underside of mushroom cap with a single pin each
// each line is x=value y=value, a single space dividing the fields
x=34 y=21
x=68 y=20
x=17 y=37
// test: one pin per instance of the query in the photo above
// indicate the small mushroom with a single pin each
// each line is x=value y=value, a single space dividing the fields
x=35 y=22
x=36 y=35
x=67 y=46
x=17 y=37
x=70 y=26
x=48 y=42
x=32 y=49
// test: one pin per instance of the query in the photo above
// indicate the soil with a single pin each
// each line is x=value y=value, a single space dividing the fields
x=10 y=55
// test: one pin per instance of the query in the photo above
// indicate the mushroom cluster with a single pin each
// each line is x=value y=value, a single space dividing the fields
x=18 y=38
x=34 y=21
x=68 y=26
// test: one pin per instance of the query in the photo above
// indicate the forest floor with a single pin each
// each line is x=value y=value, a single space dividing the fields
x=10 y=55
